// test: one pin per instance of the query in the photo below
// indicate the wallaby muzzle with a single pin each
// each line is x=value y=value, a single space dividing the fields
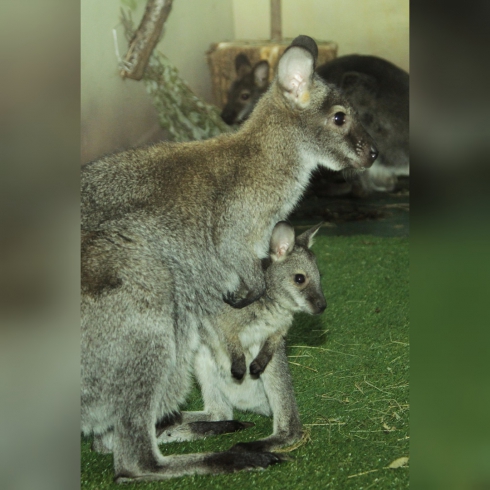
x=318 y=304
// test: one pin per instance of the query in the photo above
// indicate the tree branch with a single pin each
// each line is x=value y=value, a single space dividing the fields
x=145 y=38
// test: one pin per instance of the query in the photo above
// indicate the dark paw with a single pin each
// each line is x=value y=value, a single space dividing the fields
x=219 y=427
x=238 y=368
x=237 y=302
x=256 y=369
x=255 y=446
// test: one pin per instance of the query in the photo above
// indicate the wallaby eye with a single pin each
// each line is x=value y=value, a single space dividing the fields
x=339 y=118
x=299 y=278
x=245 y=96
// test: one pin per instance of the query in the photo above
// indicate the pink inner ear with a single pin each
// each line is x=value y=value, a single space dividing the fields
x=282 y=249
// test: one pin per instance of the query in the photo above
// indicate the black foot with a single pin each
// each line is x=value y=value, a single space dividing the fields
x=230 y=461
x=219 y=427
x=254 y=446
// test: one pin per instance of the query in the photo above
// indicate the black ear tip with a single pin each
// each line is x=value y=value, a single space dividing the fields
x=308 y=43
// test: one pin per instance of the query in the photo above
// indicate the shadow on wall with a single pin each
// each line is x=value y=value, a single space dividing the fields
x=108 y=130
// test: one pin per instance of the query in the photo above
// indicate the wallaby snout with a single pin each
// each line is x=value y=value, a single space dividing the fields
x=318 y=305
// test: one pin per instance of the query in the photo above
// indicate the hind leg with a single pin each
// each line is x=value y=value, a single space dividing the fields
x=136 y=456
x=103 y=443
x=280 y=394
x=136 y=453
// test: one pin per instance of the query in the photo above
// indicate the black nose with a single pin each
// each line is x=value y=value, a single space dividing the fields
x=320 y=307
x=228 y=116
x=373 y=153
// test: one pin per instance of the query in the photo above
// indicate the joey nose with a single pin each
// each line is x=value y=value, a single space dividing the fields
x=320 y=306
x=373 y=153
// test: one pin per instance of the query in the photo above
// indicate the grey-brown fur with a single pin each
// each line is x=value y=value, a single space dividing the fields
x=261 y=329
x=172 y=229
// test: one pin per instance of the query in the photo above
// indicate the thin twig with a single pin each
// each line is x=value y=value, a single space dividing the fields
x=363 y=473
x=379 y=389
x=301 y=365
x=304 y=440
x=322 y=349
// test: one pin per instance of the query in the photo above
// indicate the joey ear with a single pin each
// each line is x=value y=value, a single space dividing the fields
x=306 y=238
x=294 y=74
x=242 y=65
x=282 y=241
x=261 y=73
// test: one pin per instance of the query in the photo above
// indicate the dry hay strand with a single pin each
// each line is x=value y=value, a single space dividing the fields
x=304 y=440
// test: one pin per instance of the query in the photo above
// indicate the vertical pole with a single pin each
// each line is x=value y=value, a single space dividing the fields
x=276 y=28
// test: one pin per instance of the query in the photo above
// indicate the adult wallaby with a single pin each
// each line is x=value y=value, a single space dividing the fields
x=377 y=89
x=171 y=230
x=292 y=285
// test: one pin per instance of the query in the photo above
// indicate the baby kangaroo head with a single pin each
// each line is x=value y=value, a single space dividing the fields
x=246 y=90
x=293 y=278
x=329 y=127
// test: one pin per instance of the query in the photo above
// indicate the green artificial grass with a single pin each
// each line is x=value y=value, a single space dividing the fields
x=350 y=368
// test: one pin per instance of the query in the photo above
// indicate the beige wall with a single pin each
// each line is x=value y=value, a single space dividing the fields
x=118 y=113
x=377 y=27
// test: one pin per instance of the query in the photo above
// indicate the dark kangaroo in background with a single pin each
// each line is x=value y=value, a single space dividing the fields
x=377 y=89
x=168 y=232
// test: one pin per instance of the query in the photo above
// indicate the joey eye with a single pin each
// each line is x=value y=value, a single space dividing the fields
x=339 y=118
x=245 y=96
x=299 y=278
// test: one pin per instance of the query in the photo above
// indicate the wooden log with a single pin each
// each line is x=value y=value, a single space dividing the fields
x=276 y=21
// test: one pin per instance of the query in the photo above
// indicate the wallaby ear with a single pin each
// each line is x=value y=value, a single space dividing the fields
x=306 y=238
x=296 y=68
x=282 y=241
x=353 y=80
x=294 y=75
x=242 y=65
x=308 y=43
x=261 y=73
